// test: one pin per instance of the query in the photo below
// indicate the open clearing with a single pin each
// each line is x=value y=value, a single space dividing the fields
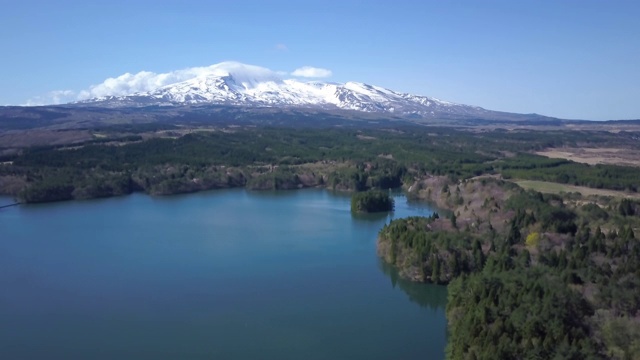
x=593 y=156
x=555 y=188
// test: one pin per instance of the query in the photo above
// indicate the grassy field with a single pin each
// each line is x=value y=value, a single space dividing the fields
x=555 y=188
x=593 y=156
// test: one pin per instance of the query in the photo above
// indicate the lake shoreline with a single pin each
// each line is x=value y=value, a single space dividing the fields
x=207 y=271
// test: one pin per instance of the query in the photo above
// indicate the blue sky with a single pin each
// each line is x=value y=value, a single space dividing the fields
x=569 y=59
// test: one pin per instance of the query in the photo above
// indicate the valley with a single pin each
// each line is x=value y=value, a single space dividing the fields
x=251 y=179
x=536 y=216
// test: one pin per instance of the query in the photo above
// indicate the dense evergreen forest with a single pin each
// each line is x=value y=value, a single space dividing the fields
x=530 y=275
x=124 y=159
x=371 y=201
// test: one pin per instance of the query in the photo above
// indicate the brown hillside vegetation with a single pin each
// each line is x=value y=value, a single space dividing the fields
x=593 y=156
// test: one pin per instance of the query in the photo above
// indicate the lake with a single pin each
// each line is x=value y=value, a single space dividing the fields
x=227 y=274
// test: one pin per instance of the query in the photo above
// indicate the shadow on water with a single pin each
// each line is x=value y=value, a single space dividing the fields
x=425 y=295
x=373 y=217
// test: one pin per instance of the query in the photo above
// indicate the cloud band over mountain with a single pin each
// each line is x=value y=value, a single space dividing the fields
x=145 y=81
x=311 y=72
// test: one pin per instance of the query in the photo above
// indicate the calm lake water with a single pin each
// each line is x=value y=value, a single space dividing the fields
x=227 y=274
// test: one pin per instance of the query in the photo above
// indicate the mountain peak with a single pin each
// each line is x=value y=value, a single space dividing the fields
x=246 y=76
x=237 y=84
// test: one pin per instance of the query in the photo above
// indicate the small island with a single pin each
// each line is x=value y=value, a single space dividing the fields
x=371 y=201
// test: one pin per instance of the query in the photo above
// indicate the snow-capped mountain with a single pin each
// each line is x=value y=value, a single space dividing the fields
x=233 y=83
x=247 y=85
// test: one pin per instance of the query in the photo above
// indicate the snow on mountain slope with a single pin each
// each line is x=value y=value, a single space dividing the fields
x=232 y=83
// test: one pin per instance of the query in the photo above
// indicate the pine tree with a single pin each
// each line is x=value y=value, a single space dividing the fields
x=435 y=269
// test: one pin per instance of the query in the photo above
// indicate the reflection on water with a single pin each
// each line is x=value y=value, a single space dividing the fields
x=228 y=274
x=426 y=295
x=371 y=216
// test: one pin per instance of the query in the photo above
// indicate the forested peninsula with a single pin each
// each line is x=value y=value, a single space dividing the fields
x=548 y=276
x=552 y=274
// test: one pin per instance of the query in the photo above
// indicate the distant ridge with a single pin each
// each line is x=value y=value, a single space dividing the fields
x=237 y=84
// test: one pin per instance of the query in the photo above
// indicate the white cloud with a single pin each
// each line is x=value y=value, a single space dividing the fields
x=144 y=81
x=128 y=83
x=311 y=72
x=281 y=47
x=53 y=98
x=139 y=82
x=60 y=96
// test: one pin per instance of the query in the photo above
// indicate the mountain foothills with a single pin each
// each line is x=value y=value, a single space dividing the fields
x=537 y=223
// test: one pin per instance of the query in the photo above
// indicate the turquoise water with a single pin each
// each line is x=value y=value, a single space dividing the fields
x=219 y=275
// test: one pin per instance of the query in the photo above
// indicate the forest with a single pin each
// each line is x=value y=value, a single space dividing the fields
x=371 y=201
x=121 y=160
x=550 y=276
x=530 y=275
